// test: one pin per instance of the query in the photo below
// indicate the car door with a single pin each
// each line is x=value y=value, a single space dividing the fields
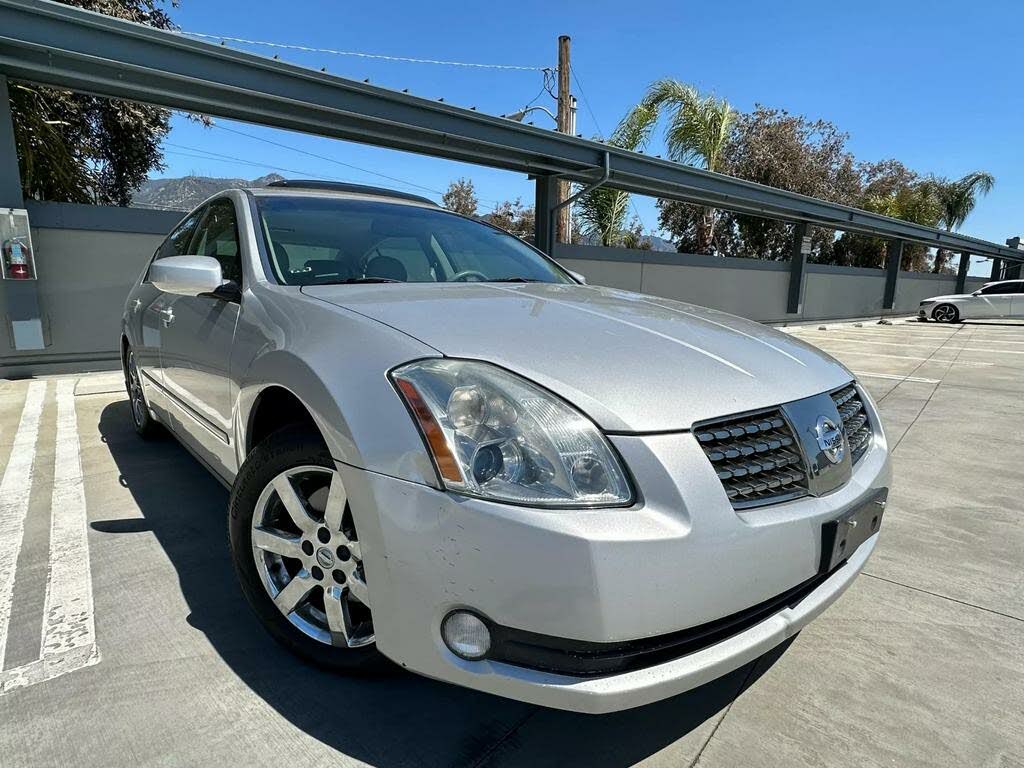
x=147 y=306
x=991 y=301
x=196 y=340
x=1017 y=299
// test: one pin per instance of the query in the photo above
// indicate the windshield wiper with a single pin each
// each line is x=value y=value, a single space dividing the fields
x=515 y=280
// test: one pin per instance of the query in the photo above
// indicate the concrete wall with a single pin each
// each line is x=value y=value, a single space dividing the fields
x=87 y=258
x=753 y=288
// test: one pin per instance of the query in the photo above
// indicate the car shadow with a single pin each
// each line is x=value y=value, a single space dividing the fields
x=399 y=719
x=998 y=323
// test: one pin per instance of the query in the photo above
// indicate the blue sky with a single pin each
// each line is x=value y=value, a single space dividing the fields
x=900 y=77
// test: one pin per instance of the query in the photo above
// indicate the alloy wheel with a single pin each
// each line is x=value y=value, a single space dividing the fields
x=309 y=558
x=945 y=313
x=135 y=395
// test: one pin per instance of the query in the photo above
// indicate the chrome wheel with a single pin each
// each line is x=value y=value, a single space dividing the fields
x=309 y=559
x=135 y=395
x=945 y=313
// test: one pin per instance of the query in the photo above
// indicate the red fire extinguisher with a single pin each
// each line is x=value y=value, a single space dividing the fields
x=18 y=259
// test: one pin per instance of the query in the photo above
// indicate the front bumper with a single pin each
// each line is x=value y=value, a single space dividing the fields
x=681 y=557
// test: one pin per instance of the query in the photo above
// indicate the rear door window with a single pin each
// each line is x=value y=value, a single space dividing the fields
x=1001 y=288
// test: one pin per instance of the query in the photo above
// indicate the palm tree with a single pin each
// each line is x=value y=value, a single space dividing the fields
x=957 y=199
x=698 y=131
x=603 y=211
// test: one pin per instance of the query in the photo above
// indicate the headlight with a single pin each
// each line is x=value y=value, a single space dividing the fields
x=926 y=303
x=497 y=436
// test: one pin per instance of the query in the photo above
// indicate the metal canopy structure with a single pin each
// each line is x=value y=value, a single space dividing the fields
x=57 y=45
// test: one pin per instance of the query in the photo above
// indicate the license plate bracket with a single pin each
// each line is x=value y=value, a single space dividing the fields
x=841 y=537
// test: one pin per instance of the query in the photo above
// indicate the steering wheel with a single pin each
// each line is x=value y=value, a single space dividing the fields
x=460 y=277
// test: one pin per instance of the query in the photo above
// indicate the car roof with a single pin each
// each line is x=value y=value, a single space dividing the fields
x=339 y=189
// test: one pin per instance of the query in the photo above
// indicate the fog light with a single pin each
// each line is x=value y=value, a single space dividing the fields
x=466 y=635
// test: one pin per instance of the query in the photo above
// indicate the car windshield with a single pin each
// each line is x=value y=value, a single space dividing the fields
x=321 y=240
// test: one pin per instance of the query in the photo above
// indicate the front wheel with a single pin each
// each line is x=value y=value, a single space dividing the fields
x=946 y=313
x=297 y=554
x=145 y=426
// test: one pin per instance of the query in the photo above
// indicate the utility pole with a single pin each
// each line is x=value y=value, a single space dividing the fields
x=565 y=125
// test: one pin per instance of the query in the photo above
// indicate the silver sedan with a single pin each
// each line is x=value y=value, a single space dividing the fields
x=445 y=450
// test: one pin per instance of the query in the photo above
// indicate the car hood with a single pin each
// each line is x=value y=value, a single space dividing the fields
x=633 y=363
x=950 y=297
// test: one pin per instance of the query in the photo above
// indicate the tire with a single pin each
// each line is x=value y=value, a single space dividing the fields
x=145 y=425
x=308 y=557
x=946 y=313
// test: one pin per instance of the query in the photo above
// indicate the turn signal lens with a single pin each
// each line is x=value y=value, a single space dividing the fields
x=446 y=463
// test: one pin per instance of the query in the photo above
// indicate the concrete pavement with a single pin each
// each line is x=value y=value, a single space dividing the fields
x=921 y=663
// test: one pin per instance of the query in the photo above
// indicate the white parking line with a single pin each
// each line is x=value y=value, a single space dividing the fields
x=15 y=489
x=895 y=377
x=68 y=616
x=858 y=353
x=879 y=343
x=68 y=628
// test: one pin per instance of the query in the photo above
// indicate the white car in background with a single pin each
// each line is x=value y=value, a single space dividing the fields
x=1002 y=299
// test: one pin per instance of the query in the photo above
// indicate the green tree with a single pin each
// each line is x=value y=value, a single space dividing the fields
x=602 y=213
x=79 y=148
x=699 y=128
x=891 y=189
x=460 y=197
x=513 y=217
x=777 y=149
x=957 y=198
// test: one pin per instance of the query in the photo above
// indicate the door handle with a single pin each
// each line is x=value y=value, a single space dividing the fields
x=167 y=315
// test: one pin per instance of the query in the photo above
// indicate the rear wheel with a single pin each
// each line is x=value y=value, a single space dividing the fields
x=145 y=426
x=946 y=313
x=297 y=554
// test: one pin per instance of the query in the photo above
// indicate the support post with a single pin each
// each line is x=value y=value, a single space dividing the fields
x=997 y=269
x=19 y=299
x=894 y=252
x=564 y=120
x=10 y=176
x=544 y=225
x=798 y=268
x=961 y=273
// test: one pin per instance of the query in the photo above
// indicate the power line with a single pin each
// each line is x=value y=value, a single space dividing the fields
x=325 y=158
x=218 y=157
x=207 y=155
x=586 y=103
x=361 y=54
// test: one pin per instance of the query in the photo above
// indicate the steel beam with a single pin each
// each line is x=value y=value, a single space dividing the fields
x=67 y=47
x=961 y=272
x=798 y=269
x=997 y=269
x=894 y=252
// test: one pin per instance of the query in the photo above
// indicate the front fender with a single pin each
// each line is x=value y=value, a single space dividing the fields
x=335 y=363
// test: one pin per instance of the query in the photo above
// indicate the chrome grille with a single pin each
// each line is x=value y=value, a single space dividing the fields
x=756 y=457
x=855 y=421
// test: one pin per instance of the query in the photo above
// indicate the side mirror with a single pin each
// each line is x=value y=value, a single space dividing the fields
x=578 y=276
x=976 y=293
x=186 y=275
